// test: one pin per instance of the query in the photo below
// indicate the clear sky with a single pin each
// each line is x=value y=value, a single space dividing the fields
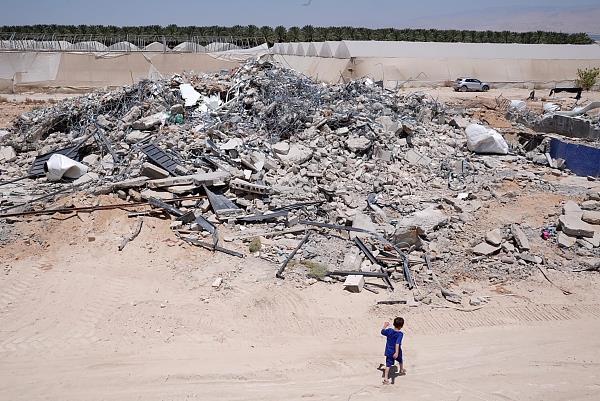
x=565 y=15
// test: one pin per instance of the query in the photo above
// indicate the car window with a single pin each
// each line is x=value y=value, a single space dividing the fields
x=476 y=80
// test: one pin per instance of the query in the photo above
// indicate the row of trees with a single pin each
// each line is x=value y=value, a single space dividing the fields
x=309 y=33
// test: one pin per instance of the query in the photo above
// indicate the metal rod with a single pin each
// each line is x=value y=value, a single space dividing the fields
x=89 y=208
x=279 y=273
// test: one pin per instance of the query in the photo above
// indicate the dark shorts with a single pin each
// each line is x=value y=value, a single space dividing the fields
x=389 y=360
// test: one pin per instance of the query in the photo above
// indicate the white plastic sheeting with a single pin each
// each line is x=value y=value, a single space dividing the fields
x=314 y=49
x=210 y=103
x=221 y=47
x=89 y=46
x=156 y=47
x=189 y=47
x=485 y=140
x=355 y=48
x=189 y=94
x=59 y=166
x=123 y=46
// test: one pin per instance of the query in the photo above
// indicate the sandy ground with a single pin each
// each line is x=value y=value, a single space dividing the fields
x=80 y=320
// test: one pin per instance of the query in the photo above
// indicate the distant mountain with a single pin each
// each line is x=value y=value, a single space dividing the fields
x=578 y=19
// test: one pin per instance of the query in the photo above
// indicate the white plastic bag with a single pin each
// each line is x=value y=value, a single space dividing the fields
x=189 y=94
x=59 y=166
x=517 y=105
x=210 y=103
x=483 y=140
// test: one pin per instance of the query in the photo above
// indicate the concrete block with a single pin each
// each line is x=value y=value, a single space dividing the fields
x=354 y=283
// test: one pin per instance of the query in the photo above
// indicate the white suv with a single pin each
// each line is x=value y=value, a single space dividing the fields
x=470 y=84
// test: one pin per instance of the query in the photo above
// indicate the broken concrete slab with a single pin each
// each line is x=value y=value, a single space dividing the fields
x=415 y=158
x=352 y=260
x=595 y=240
x=358 y=144
x=573 y=226
x=570 y=207
x=565 y=240
x=132 y=115
x=298 y=154
x=459 y=122
x=182 y=189
x=521 y=239
x=135 y=136
x=354 y=283
x=150 y=122
x=405 y=237
x=590 y=205
x=591 y=217
x=153 y=172
x=209 y=179
x=7 y=154
x=485 y=249
x=494 y=237
x=427 y=219
x=364 y=222
x=148 y=193
x=281 y=148
x=131 y=183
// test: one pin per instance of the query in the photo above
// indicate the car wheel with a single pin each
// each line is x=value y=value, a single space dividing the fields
x=463 y=88
x=485 y=88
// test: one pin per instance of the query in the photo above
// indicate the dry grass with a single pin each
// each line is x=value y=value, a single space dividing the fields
x=255 y=245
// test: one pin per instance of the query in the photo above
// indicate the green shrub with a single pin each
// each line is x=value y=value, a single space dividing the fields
x=587 y=78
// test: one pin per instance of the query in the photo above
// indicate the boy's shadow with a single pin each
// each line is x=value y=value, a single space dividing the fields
x=394 y=372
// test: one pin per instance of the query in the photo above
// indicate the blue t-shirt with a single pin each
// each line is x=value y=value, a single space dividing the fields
x=393 y=337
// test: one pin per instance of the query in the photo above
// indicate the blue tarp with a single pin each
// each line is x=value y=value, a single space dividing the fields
x=580 y=159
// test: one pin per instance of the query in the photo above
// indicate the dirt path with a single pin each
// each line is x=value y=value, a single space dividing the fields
x=78 y=320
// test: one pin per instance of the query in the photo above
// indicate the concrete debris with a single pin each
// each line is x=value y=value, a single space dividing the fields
x=415 y=158
x=150 y=122
x=573 y=226
x=7 y=154
x=566 y=241
x=153 y=172
x=358 y=144
x=485 y=249
x=354 y=283
x=591 y=217
x=521 y=239
x=494 y=237
x=296 y=155
x=268 y=153
x=281 y=148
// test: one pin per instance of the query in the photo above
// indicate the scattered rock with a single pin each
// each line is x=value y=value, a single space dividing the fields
x=566 y=241
x=358 y=144
x=591 y=217
x=494 y=237
x=572 y=225
x=485 y=249
x=520 y=238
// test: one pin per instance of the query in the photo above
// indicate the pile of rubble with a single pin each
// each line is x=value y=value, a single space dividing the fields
x=265 y=156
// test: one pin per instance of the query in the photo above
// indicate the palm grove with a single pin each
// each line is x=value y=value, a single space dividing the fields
x=307 y=33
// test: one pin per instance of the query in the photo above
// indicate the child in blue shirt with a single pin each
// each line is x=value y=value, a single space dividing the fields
x=393 y=347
